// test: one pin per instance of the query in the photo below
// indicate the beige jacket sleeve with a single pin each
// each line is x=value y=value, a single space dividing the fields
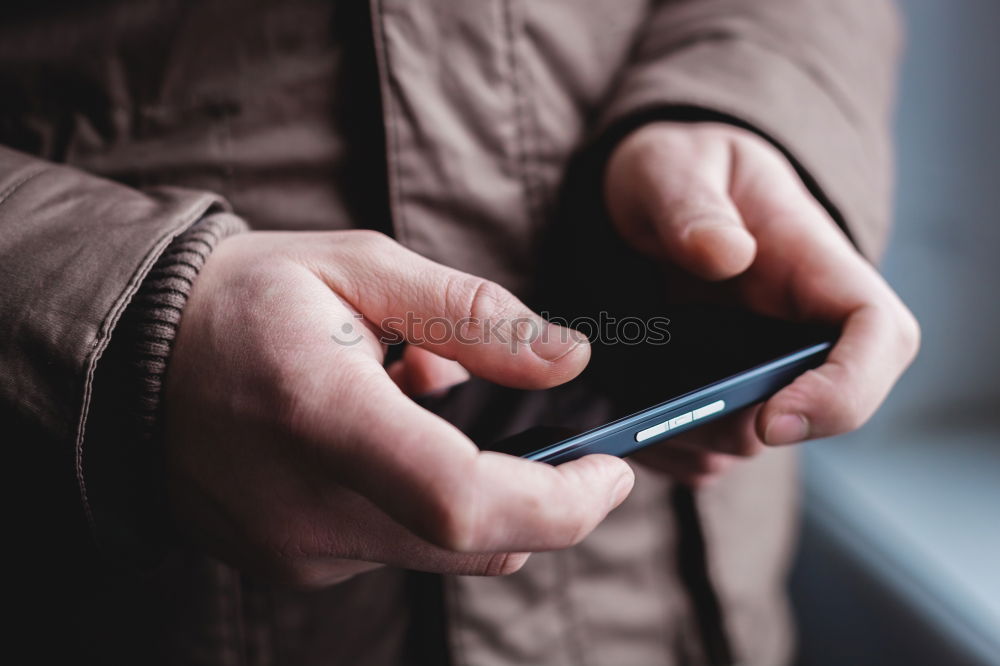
x=74 y=250
x=813 y=76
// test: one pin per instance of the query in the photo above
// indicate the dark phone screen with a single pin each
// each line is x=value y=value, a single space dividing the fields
x=685 y=348
x=706 y=344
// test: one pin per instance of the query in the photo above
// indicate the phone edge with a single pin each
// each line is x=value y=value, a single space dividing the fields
x=738 y=391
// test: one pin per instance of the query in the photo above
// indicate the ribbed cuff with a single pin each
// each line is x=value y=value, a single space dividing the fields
x=157 y=308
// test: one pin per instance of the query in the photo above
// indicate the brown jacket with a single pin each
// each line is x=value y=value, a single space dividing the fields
x=124 y=122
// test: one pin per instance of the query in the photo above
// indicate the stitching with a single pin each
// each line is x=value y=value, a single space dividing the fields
x=31 y=175
x=101 y=342
x=523 y=156
x=391 y=120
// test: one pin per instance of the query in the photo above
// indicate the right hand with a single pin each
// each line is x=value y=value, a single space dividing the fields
x=295 y=456
x=719 y=204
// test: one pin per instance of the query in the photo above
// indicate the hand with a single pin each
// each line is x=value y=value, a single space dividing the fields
x=722 y=204
x=293 y=454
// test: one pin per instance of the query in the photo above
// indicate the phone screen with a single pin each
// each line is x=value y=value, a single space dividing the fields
x=700 y=345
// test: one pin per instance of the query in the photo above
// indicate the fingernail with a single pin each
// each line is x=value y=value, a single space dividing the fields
x=786 y=429
x=554 y=342
x=623 y=488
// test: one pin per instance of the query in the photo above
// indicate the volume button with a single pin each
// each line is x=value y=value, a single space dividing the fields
x=709 y=409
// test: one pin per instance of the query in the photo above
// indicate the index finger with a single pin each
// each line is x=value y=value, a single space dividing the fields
x=453 y=314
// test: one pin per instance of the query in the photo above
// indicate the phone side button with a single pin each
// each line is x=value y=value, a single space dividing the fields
x=683 y=419
x=652 y=431
x=709 y=409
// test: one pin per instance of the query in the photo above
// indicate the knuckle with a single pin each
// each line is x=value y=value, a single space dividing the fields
x=369 y=239
x=766 y=151
x=573 y=523
x=656 y=147
x=370 y=248
x=562 y=524
x=577 y=530
x=451 y=525
x=836 y=400
x=846 y=411
x=664 y=141
x=476 y=298
x=704 y=207
x=909 y=334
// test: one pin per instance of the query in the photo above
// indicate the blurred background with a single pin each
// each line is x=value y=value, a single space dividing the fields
x=900 y=557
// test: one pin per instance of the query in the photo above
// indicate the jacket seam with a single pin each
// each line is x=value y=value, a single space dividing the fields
x=13 y=188
x=100 y=343
x=391 y=122
x=523 y=135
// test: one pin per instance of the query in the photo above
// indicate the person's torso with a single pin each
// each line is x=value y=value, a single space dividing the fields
x=302 y=114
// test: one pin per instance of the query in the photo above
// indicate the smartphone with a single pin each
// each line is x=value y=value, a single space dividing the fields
x=715 y=361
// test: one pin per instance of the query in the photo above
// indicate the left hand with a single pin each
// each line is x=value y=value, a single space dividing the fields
x=726 y=207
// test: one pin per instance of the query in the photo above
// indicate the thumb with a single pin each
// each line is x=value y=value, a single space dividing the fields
x=669 y=187
x=703 y=233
